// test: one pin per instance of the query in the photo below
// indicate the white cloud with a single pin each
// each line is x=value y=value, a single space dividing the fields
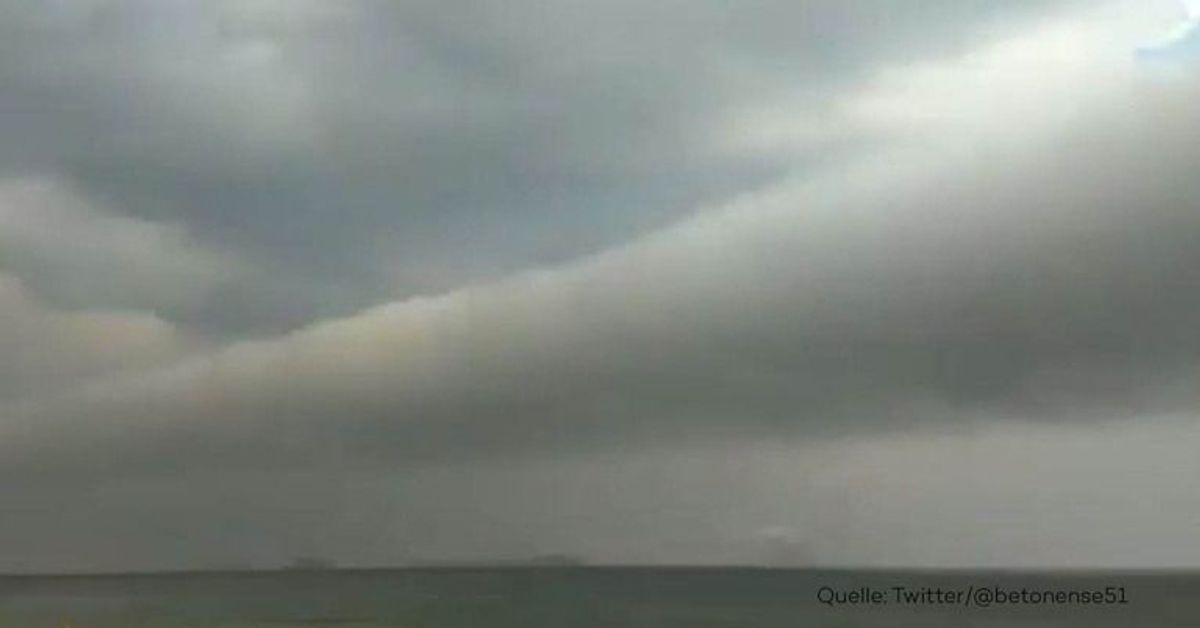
x=47 y=350
x=1044 y=76
x=81 y=254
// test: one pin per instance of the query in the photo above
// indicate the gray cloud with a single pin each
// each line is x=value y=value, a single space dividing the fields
x=991 y=267
x=919 y=286
x=408 y=149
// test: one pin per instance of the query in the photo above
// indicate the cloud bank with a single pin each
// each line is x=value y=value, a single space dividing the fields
x=1038 y=268
x=699 y=288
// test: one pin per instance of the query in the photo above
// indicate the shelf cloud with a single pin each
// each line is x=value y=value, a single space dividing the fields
x=528 y=247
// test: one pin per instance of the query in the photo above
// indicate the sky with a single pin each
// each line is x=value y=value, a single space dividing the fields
x=846 y=282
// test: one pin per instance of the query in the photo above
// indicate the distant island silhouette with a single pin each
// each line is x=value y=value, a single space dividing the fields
x=541 y=560
x=310 y=563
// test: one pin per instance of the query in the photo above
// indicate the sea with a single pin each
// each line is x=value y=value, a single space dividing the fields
x=537 y=597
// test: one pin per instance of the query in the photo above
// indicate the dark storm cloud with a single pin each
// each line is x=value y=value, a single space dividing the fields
x=1005 y=261
x=358 y=151
x=809 y=248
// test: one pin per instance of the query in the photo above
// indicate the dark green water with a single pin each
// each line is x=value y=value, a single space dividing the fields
x=579 y=598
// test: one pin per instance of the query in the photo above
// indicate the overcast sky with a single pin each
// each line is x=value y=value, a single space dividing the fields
x=860 y=281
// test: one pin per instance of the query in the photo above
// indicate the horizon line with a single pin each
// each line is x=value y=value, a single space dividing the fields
x=534 y=566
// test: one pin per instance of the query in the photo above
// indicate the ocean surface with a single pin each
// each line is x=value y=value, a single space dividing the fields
x=601 y=598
